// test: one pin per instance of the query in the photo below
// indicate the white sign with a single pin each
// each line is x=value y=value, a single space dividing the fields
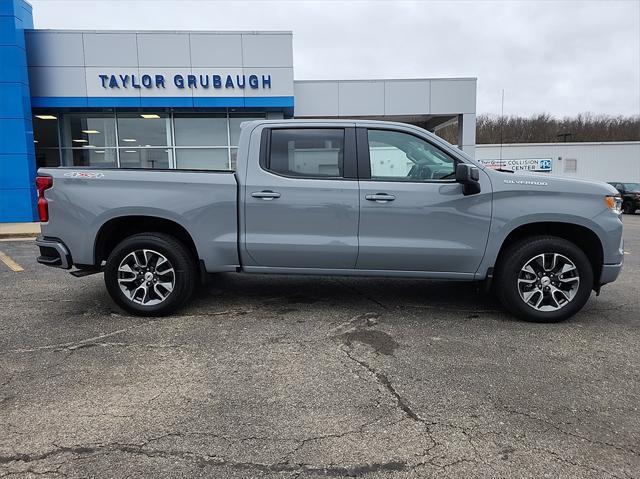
x=521 y=164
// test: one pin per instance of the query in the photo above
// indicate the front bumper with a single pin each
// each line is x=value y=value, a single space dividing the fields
x=54 y=253
x=610 y=273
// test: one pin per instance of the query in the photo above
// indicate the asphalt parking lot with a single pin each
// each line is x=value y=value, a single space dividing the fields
x=288 y=377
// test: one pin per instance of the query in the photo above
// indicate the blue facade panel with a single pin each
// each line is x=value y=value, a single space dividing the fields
x=17 y=155
x=17 y=205
x=284 y=102
x=12 y=100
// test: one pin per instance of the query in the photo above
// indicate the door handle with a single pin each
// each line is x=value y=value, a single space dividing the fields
x=380 y=197
x=266 y=195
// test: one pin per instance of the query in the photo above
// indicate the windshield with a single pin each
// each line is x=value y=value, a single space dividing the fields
x=632 y=186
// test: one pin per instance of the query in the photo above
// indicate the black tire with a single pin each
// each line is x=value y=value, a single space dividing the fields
x=181 y=260
x=514 y=259
x=627 y=208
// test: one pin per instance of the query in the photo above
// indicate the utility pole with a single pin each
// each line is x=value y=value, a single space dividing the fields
x=501 y=125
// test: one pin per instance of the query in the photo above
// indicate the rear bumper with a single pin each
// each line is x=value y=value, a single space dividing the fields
x=54 y=253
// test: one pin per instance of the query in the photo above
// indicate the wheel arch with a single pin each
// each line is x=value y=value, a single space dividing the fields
x=116 y=229
x=583 y=237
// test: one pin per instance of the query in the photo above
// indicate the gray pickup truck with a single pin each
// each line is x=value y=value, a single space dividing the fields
x=335 y=197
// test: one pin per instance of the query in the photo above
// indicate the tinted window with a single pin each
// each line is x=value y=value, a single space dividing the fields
x=397 y=156
x=312 y=153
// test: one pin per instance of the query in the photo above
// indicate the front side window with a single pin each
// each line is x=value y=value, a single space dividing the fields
x=397 y=156
x=307 y=152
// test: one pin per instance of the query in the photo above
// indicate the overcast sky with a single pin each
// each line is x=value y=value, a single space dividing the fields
x=559 y=57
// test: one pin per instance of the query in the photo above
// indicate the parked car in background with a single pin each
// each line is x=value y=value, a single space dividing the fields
x=335 y=197
x=630 y=193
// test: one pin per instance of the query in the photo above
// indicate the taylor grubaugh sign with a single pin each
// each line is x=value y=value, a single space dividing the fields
x=148 y=81
x=522 y=164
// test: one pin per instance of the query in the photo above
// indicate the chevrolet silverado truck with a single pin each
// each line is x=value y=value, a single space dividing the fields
x=335 y=197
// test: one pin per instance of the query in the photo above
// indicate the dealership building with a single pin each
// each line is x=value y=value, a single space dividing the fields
x=173 y=99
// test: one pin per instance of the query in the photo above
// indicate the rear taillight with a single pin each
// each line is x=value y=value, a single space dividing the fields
x=43 y=183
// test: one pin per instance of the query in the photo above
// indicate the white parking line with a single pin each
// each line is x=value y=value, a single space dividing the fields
x=13 y=266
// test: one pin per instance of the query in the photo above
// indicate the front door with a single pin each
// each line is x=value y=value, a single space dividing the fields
x=413 y=215
x=301 y=203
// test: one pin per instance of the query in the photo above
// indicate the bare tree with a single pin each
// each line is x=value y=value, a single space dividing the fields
x=543 y=128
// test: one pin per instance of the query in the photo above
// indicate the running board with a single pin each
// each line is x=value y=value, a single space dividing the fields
x=79 y=273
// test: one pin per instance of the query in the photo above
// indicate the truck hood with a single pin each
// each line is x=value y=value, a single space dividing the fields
x=551 y=182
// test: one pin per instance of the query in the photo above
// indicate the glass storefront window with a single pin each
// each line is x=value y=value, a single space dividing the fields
x=45 y=131
x=151 y=158
x=235 y=119
x=163 y=140
x=96 y=157
x=81 y=130
x=202 y=158
x=143 y=129
x=47 y=157
x=45 y=139
x=200 y=130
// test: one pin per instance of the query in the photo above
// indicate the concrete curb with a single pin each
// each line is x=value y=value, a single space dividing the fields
x=19 y=230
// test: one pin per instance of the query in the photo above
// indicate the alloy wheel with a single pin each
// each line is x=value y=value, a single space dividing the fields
x=146 y=277
x=548 y=282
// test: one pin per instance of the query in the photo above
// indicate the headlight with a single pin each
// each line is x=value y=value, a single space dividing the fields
x=614 y=203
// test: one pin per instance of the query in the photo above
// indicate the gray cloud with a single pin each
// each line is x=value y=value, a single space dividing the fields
x=559 y=57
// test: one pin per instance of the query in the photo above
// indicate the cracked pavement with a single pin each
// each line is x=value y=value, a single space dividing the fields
x=310 y=377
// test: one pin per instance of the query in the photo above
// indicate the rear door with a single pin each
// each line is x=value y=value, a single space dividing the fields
x=413 y=214
x=301 y=201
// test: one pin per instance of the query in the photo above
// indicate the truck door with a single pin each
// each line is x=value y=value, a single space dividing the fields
x=301 y=201
x=413 y=214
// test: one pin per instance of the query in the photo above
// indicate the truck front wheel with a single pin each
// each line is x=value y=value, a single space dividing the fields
x=543 y=279
x=150 y=274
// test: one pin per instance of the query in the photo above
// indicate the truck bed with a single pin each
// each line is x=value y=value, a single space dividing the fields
x=204 y=203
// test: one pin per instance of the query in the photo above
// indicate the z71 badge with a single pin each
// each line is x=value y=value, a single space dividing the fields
x=84 y=174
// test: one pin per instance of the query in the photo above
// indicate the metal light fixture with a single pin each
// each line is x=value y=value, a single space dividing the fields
x=149 y=116
x=47 y=117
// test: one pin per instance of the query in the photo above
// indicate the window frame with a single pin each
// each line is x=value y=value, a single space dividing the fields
x=349 y=160
x=364 y=157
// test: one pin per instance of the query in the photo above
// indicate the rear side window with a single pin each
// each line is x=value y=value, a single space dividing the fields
x=307 y=152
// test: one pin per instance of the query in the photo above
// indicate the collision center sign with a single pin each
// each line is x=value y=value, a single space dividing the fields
x=520 y=164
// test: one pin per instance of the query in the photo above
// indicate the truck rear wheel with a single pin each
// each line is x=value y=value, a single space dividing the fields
x=150 y=274
x=543 y=279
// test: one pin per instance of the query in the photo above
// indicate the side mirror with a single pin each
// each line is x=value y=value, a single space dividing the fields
x=469 y=177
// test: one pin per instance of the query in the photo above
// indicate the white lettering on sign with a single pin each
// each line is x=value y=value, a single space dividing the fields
x=520 y=164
